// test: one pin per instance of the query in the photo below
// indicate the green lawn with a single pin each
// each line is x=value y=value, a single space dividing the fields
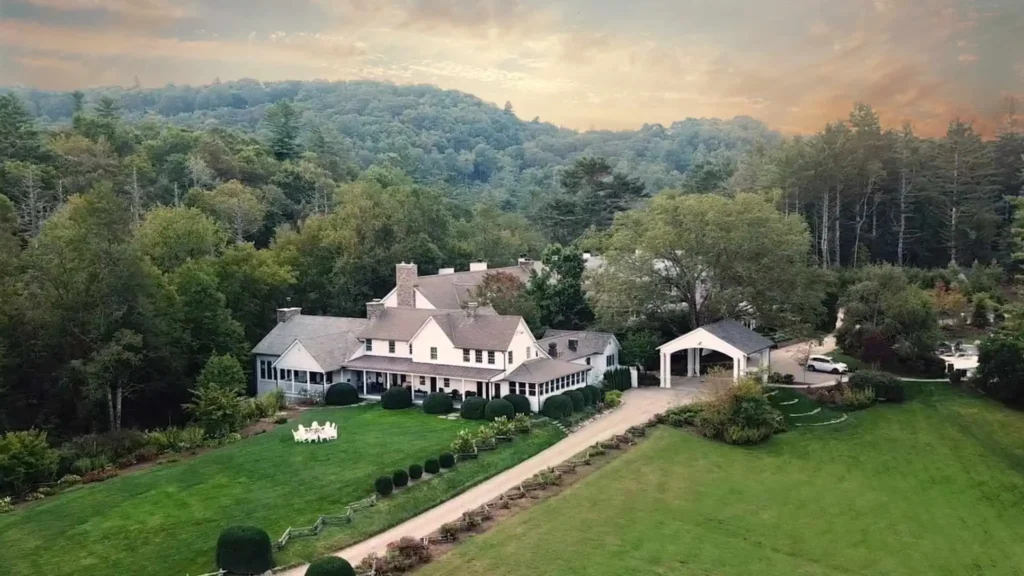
x=165 y=521
x=934 y=486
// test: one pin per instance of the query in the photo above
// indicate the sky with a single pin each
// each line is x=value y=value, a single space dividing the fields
x=585 y=64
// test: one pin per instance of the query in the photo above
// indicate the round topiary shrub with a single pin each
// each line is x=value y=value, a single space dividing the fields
x=384 y=486
x=588 y=396
x=578 y=403
x=330 y=566
x=400 y=478
x=473 y=408
x=499 y=408
x=397 y=398
x=447 y=460
x=520 y=403
x=341 y=394
x=432 y=466
x=415 y=471
x=244 y=550
x=596 y=392
x=438 y=403
x=557 y=407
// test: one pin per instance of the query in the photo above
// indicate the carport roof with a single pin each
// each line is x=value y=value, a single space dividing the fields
x=735 y=334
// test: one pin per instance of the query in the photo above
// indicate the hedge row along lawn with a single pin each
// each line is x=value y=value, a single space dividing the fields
x=166 y=520
x=933 y=486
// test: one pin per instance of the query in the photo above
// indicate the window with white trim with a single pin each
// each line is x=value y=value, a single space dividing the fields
x=369 y=345
x=479 y=356
x=609 y=360
x=510 y=357
x=490 y=356
x=391 y=346
x=465 y=354
x=433 y=352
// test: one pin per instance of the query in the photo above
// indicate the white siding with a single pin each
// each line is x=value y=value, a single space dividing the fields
x=297 y=358
x=380 y=348
x=522 y=340
x=431 y=335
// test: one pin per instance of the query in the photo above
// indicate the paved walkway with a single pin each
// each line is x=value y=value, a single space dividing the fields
x=638 y=406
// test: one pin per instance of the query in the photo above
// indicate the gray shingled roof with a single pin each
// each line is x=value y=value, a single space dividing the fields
x=328 y=339
x=588 y=343
x=486 y=331
x=454 y=291
x=738 y=335
x=541 y=370
x=407 y=366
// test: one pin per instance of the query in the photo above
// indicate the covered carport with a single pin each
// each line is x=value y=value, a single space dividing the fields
x=749 y=350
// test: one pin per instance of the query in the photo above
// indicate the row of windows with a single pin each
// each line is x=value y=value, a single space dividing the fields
x=391 y=348
x=468 y=356
x=269 y=372
x=550 y=387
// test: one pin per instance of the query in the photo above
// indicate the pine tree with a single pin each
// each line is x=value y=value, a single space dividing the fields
x=283 y=123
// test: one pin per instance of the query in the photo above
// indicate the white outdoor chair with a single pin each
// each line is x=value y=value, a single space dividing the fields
x=298 y=436
x=332 y=431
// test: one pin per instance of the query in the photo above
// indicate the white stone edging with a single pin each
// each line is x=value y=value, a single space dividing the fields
x=811 y=413
x=836 y=421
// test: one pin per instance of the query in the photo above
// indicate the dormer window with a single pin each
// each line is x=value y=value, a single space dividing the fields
x=369 y=345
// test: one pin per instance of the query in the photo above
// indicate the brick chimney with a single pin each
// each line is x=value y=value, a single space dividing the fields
x=405 y=284
x=471 y=309
x=374 y=309
x=553 y=349
x=286 y=314
x=526 y=264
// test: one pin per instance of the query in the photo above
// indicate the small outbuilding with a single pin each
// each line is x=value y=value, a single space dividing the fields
x=749 y=350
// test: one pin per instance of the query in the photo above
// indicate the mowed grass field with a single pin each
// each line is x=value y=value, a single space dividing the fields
x=934 y=486
x=165 y=520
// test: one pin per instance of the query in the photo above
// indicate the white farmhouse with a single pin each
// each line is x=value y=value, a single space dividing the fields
x=599 y=350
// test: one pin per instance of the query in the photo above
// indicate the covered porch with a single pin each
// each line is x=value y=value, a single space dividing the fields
x=376 y=374
x=749 y=351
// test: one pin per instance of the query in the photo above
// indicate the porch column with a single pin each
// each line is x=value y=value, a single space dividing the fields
x=743 y=365
x=364 y=383
x=696 y=362
x=735 y=369
x=666 y=379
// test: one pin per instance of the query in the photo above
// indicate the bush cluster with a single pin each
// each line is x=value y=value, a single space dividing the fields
x=844 y=396
x=342 y=394
x=886 y=386
x=438 y=403
x=577 y=399
x=740 y=414
x=612 y=398
x=244 y=550
x=596 y=393
x=396 y=398
x=330 y=566
x=464 y=443
x=498 y=408
x=557 y=407
x=473 y=408
x=520 y=403
x=26 y=459
x=384 y=485
x=617 y=379
x=779 y=378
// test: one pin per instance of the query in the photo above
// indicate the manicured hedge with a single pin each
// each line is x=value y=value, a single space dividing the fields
x=432 y=466
x=341 y=394
x=397 y=398
x=473 y=408
x=596 y=392
x=384 y=486
x=520 y=403
x=617 y=379
x=588 y=396
x=438 y=403
x=557 y=407
x=447 y=460
x=330 y=566
x=498 y=408
x=415 y=471
x=400 y=478
x=887 y=387
x=578 y=402
x=244 y=550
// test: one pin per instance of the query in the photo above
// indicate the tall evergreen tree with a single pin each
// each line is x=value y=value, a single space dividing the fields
x=282 y=121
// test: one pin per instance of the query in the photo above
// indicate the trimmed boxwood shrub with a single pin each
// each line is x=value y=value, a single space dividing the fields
x=887 y=387
x=400 y=478
x=415 y=471
x=578 y=402
x=330 y=566
x=520 y=403
x=588 y=396
x=557 y=407
x=432 y=466
x=341 y=394
x=473 y=408
x=498 y=408
x=397 y=398
x=596 y=392
x=438 y=403
x=384 y=486
x=447 y=460
x=244 y=550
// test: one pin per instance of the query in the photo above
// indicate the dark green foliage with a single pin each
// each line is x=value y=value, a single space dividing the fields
x=384 y=485
x=330 y=566
x=886 y=386
x=438 y=403
x=432 y=466
x=244 y=550
x=283 y=123
x=979 y=315
x=557 y=407
x=739 y=414
x=400 y=478
x=577 y=398
x=446 y=460
x=1001 y=368
x=558 y=289
x=596 y=393
x=588 y=396
x=341 y=394
x=396 y=398
x=473 y=408
x=617 y=379
x=778 y=378
x=25 y=460
x=520 y=403
x=499 y=408
x=415 y=471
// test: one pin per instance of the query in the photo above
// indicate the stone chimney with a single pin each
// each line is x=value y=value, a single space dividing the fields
x=553 y=349
x=471 y=309
x=286 y=314
x=477 y=266
x=405 y=283
x=526 y=264
x=573 y=344
x=374 y=309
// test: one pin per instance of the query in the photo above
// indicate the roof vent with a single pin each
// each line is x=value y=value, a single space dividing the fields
x=573 y=344
x=553 y=349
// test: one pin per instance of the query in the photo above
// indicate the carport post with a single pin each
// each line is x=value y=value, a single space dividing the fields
x=696 y=361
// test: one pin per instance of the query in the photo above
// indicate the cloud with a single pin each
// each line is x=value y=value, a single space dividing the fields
x=134 y=8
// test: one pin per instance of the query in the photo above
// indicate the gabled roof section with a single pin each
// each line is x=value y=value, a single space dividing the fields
x=540 y=370
x=588 y=343
x=734 y=334
x=328 y=339
x=453 y=291
x=485 y=331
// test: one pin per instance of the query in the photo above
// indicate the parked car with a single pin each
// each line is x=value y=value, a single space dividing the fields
x=826 y=364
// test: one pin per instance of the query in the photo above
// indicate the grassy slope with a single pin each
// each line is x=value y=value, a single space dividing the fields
x=166 y=520
x=934 y=486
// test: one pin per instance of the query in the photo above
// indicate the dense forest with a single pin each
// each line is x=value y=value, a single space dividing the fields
x=143 y=232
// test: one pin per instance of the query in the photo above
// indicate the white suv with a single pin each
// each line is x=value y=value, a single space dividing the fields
x=826 y=364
